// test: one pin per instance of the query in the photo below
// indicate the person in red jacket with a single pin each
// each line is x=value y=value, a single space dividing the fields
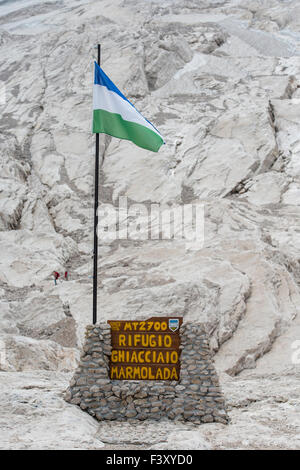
x=56 y=276
x=66 y=275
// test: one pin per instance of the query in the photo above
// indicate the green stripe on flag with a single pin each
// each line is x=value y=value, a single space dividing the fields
x=113 y=124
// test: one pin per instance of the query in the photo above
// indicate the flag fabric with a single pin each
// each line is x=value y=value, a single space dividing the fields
x=113 y=114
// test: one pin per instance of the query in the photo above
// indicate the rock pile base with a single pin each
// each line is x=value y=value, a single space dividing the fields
x=196 y=397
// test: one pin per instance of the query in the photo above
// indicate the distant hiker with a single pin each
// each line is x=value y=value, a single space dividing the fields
x=66 y=275
x=56 y=276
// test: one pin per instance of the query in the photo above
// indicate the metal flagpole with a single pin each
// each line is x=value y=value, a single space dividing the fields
x=96 y=218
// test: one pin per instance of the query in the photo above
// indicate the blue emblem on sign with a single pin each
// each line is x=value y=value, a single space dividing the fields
x=173 y=324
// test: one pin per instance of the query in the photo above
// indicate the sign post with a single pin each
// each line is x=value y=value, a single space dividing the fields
x=145 y=350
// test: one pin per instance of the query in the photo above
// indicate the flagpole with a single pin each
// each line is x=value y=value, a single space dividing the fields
x=95 y=257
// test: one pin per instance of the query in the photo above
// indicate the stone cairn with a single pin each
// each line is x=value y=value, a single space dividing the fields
x=196 y=397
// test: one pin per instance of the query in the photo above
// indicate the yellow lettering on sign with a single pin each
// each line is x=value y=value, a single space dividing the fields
x=137 y=373
x=141 y=325
x=114 y=372
x=140 y=357
x=148 y=356
x=152 y=341
x=129 y=373
x=144 y=355
x=174 y=375
x=122 y=340
x=134 y=357
x=160 y=357
x=114 y=356
x=144 y=372
x=174 y=357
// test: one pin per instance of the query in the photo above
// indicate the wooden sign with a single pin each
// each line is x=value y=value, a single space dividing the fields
x=145 y=350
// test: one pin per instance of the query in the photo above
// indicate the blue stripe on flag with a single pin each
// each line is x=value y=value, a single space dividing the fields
x=102 y=79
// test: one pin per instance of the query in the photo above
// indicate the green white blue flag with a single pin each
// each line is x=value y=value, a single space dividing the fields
x=113 y=114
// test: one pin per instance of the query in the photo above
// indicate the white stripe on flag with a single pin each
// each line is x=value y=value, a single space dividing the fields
x=113 y=103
